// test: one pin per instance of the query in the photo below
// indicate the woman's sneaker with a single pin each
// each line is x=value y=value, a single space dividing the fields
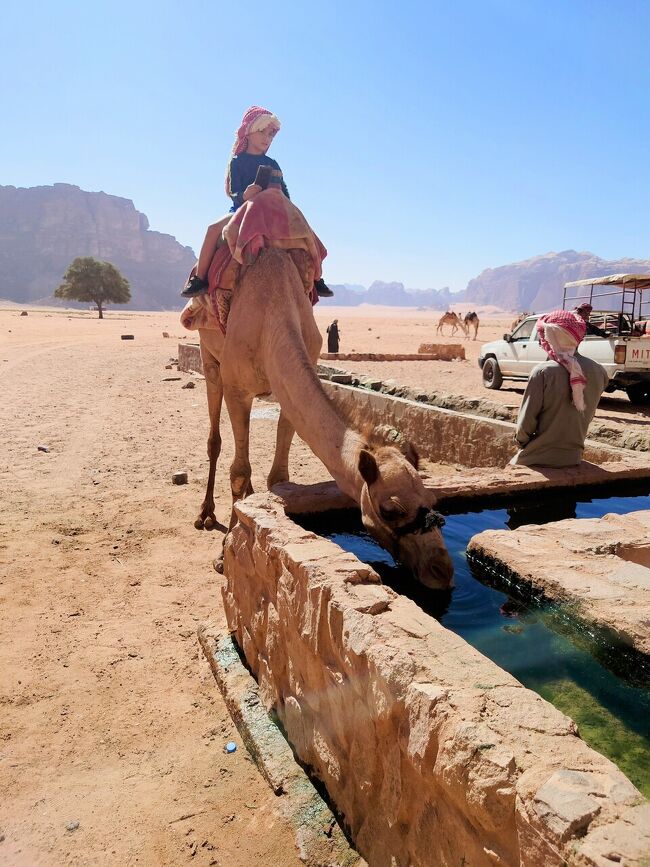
x=322 y=290
x=194 y=286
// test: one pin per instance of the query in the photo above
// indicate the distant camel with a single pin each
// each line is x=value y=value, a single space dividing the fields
x=453 y=319
x=471 y=319
x=520 y=318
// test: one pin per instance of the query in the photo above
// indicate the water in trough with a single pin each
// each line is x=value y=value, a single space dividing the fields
x=546 y=651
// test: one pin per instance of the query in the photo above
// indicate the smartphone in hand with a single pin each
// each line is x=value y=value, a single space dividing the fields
x=263 y=176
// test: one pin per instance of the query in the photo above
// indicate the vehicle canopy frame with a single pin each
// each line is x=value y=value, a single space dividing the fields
x=631 y=291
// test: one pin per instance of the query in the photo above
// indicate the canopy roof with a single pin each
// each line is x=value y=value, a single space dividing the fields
x=642 y=281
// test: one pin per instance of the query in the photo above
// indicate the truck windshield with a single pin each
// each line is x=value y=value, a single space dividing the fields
x=525 y=330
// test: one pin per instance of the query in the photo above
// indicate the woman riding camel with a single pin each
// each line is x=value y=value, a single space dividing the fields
x=249 y=152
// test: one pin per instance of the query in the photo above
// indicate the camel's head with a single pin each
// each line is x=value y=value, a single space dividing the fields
x=397 y=510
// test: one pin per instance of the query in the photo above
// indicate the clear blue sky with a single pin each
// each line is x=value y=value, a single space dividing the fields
x=425 y=141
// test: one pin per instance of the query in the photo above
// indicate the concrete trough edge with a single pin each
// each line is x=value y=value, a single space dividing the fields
x=442 y=352
x=629 y=658
x=189 y=360
x=483 y=445
x=319 y=838
x=483 y=407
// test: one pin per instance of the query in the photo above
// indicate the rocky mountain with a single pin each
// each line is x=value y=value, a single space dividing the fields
x=390 y=294
x=42 y=229
x=536 y=284
x=344 y=296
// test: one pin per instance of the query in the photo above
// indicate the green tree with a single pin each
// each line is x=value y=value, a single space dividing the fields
x=88 y=279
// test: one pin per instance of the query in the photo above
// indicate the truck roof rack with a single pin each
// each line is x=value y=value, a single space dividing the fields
x=627 y=289
x=642 y=281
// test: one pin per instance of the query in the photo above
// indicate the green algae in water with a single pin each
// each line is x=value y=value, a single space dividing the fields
x=602 y=730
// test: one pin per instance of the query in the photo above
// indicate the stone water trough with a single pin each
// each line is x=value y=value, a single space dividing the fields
x=431 y=754
x=601 y=567
x=472 y=452
x=426 y=352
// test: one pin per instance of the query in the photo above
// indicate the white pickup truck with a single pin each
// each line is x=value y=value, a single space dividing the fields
x=624 y=353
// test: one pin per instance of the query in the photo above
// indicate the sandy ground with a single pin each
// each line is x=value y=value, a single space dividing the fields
x=110 y=718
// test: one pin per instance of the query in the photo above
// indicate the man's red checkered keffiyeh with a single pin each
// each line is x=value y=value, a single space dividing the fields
x=560 y=332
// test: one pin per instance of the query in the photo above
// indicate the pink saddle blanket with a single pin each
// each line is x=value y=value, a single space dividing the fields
x=268 y=220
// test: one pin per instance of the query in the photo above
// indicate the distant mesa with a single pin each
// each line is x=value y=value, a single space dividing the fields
x=42 y=229
x=391 y=295
x=536 y=284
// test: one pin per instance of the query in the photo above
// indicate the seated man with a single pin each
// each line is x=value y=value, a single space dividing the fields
x=561 y=396
x=584 y=311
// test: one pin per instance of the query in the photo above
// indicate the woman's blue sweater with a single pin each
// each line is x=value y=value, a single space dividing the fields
x=242 y=170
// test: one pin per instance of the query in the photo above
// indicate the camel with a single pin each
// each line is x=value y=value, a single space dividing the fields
x=471 y=319
x=520 y=318
x=453 y=319
x=271 y=344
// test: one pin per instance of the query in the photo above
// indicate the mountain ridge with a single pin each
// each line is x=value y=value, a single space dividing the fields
x=536 y=283
x=42 y=229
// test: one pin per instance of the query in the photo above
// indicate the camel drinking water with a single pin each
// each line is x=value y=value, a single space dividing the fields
x=453 y=319
x=272 y=344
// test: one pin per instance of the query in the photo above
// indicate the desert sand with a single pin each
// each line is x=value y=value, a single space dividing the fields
x=110 y=717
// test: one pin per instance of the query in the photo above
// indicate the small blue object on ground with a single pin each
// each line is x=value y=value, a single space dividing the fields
x=231 y=746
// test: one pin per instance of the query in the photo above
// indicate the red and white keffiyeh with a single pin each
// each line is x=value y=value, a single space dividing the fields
x=560 y=332
x=255 y=118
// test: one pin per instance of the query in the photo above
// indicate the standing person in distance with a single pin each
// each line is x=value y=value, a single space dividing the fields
x=333 y=335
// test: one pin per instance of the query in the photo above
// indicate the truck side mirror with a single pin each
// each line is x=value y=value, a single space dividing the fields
x=507 y=338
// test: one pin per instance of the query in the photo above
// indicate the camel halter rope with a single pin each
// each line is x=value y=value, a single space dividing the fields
x=425 y=521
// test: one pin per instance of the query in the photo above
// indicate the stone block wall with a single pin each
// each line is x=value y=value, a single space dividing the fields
x=442 y=435
x=189 y=358
x=432 y=754
x=468 y=440
x=442 y=350
x=426 y=352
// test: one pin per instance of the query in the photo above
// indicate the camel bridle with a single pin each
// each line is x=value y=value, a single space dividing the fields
x=425 y=521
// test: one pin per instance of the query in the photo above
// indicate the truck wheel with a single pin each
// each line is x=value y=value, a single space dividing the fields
x=639 y=393
x=492 y=374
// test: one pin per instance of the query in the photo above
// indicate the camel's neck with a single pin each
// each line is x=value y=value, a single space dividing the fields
x=300 y=394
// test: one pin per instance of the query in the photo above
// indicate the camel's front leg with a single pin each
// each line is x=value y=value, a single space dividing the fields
x=239 y=409
x=212 y=371
x=280 y=469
